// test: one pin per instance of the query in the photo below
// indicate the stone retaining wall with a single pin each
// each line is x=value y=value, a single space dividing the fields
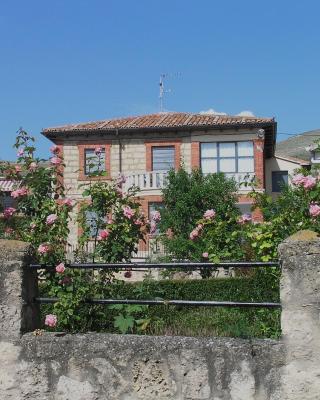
x=127 y=367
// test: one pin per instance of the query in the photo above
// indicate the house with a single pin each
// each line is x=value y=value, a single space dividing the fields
x=144 y=148
x=291 y=154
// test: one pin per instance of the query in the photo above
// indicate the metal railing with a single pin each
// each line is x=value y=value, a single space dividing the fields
x=185 y=266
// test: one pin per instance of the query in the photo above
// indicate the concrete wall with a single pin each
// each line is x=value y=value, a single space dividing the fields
x=117 y=367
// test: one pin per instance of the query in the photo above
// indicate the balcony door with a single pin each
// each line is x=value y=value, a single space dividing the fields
x=163 y=158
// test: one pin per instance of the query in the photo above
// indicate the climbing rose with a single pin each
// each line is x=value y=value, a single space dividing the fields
x=209 y=214
x=194 y=234
x=309 y=182
x=23 y=191
x=98 y=151
x=54 y=149
x=33 y=166
x=67 y=202
x=156 y=216
x=128 y=212
x=51 y=320
x=138 y=222
x=153 y=227
x=51 y=219
x=8 y=212
x=244 y=218
x=18 y=168
x=43 y=248
x=314 y=210
x=60 y=268
x=205 y=255
x=298 y=179
x=56 y=160
x=103 y=234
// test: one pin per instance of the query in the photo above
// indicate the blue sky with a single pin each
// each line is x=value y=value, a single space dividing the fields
x=67 y=61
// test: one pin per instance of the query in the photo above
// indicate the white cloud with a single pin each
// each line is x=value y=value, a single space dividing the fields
x=245 y=113
x=211 y=111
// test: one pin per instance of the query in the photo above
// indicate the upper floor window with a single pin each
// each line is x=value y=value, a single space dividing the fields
x=163 y=158
x=279 y=180
x=92 y=158
x=228 y=157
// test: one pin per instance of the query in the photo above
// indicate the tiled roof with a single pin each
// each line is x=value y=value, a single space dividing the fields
x=161 y=121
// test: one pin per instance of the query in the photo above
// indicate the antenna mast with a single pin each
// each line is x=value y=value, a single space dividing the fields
x=162 y=90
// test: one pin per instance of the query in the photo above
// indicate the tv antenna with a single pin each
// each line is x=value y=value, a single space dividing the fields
x=162 y=90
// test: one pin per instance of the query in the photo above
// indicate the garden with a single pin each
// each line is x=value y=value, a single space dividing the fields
x=199 y=222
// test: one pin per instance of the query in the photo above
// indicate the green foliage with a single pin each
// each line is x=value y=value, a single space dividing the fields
x=186 y=198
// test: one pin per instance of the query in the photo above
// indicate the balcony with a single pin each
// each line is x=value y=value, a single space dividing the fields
x=156 y=180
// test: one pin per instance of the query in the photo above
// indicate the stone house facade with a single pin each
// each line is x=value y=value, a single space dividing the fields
x=144 y=148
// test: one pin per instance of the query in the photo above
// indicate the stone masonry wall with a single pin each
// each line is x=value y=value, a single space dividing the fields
x=127 y=367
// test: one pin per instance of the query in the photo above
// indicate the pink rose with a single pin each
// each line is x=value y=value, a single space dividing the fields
x=153 y=227
x=103 y=234
x=169 y=233
x=54 y=149
x=43 y=248
x=156 y=216
x=60 y=268
x=51 y=219
x=8 y=230
x=314 y=210
x=128 y=212
x=209 y=214
x=23 y=191
x=17 y=168
x=309 y=182
x=67 y=202
x=51 y=320
x=298 y=179
x=98 y=151
x=244 y=219
x=205 y=255
x=138 y=222
x=8 y=212
x=20 y=153
x=32 y=166
x=56 y=160
x=194 y=234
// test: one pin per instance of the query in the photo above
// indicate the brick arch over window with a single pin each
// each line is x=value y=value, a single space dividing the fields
x=177 y=151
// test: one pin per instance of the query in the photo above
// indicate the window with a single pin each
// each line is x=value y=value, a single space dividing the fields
x=91 y=222
x=245 y=208
x=163 y=158
x=229 y=157
x=91 y=161
x=6 y=200
x=279 y=180
x=317 y=155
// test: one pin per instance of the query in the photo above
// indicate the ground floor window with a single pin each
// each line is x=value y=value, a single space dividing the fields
x=279 y=180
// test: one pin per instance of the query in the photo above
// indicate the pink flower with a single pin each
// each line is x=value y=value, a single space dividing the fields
x=56 y=160
x=23 y=191
x=309 y=182
x=119 y=191
x=138 y=222
x=8 y=212
x=156 y=216
x=32 y=166
x=17 y=168
x=121 y=179
x=51 y=320
x=60 y=268
x=128 y=212
x=153 y=228
x=54 y=149
x=43 y=248
x=67 y=202
x=98 y=151
x=51 y=219
x=194 y=234
x=33 y=226
x=209 y=214
x=205 y=255
x=169 y=233
x=8 y=230
x=314 y=210
x=199 y=227
x=103 y=234
x=298 y=179
x=244 y=218
x=20 y=153
x=110 y=221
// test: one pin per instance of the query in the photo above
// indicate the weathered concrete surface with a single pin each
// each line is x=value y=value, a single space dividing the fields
x=300 y=318
x=102 y=366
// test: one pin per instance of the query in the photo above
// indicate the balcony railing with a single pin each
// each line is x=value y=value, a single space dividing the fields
x=153 y=180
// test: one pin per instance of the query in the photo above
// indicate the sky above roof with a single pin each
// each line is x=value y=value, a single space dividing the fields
x=75 y=61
